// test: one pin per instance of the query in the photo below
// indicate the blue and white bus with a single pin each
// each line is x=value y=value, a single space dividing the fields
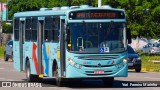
x=66 y=43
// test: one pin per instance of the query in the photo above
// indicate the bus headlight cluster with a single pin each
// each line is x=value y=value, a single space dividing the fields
x=137 y=58
x=120 y=65
x=125 y=60
x=74 y=64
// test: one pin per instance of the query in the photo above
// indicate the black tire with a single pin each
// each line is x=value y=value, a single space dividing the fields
x=30 y=77
x=12 y=57
x=138 y=69
x=5 y=57
x=59 y=81
x=108 y=82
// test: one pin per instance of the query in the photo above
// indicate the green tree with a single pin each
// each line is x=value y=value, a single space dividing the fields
x=25 y=5
x=3 y=0
x=143 y=16
x=7 y=28
x=57 y=3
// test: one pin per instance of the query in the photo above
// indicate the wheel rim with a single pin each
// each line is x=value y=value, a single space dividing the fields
x=56 y=75
x=56 y=72
x=28 y=72
x=4 y=56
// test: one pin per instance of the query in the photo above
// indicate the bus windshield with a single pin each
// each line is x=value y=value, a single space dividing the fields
x=105 y=37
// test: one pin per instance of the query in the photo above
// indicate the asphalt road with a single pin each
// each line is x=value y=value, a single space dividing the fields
x=134 y=81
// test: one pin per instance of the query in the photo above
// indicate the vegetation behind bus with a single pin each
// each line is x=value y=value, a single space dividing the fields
x=7 y=28
x=142 y=15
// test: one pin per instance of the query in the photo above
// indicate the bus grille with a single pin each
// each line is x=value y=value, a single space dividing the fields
x=94 y=66
x=98 y=57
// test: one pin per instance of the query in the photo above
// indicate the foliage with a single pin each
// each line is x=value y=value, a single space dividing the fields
x=25 y=5
x=1 y=51
x=148 y=62
x=57 y=3
x=7 y=28
x=143 y=16
x=3 y=1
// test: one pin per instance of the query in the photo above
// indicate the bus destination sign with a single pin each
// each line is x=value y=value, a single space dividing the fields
x=96 y=14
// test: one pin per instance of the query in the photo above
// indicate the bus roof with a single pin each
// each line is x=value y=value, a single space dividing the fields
x=59 y=11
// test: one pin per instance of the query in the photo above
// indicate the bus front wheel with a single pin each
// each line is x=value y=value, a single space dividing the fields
x=108 y=81
x=59 y=81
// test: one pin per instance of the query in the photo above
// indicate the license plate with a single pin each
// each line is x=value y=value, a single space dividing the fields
x=99 y=72
x=130 y=64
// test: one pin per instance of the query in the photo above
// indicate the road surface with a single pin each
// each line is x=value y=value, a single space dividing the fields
x=132 y=82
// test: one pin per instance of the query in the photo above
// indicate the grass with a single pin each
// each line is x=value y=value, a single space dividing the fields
x=148 y=64
x=147 y=61
x=1 y=51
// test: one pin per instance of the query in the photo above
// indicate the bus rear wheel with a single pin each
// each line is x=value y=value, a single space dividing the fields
x=30 y=77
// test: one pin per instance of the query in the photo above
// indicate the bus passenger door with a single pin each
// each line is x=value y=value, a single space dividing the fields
x=62 y=46
x=21 y=42
x=40 y=43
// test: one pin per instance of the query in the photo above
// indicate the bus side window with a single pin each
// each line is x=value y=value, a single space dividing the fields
x=16 y=29
x=34 y=28
x=47 y=29
x=55 y=29
x=28 y=29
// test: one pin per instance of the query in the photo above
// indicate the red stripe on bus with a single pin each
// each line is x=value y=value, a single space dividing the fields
x=35 y=57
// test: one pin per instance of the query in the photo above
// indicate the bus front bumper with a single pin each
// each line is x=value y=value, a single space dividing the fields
x=73 y=72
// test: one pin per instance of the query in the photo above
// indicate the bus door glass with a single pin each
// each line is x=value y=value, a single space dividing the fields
x=16 y=43
x=21 y=42
x=40 y=43
x=62 y=45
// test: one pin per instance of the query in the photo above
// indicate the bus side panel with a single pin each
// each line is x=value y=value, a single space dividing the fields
x=46 y=57
x=49 y=54
x=16 y=55
x=34 y=60
x=28 y=49
x=54 y=56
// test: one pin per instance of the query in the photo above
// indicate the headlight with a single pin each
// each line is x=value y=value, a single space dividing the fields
x=138 y=58
x=71 y=62
x=125 y=60
x=120 y=65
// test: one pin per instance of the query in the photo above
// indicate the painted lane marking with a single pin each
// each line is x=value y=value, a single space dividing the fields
x=1 y=68
x=6 y=79
x=152 y=78
x=155 y=88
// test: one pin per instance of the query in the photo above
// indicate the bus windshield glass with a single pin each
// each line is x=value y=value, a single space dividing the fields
x=105 y=37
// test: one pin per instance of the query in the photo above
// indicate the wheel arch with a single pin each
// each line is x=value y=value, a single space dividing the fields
x=26 y=60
